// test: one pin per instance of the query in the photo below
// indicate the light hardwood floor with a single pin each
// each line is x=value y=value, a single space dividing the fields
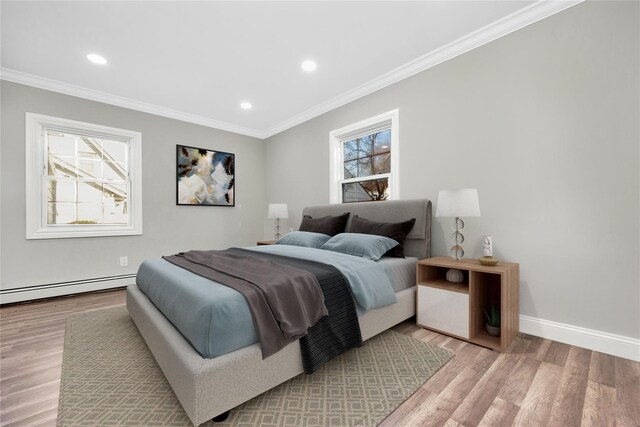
x=537 y=382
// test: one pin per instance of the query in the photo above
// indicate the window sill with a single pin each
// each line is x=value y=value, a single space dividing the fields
x=70 y=233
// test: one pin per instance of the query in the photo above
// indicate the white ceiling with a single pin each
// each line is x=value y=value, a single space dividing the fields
x=198 y=60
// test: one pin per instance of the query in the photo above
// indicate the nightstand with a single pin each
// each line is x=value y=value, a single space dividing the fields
x=265 y=242
x=457 y=309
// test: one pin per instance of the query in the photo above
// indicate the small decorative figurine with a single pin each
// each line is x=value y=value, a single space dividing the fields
x=487 y=252
x=487 y=246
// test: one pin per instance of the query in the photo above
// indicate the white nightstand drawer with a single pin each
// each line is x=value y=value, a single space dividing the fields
x=446 y=311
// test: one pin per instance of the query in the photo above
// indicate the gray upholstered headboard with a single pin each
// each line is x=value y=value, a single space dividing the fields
x=418 y=243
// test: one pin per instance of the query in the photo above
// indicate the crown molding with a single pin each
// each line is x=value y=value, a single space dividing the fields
x=500 y=28
x=107 y=98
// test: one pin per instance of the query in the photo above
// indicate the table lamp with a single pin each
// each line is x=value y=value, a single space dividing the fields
x=277 y=211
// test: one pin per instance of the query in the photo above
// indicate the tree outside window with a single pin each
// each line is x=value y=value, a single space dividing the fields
x=365 y=157
x=364 y=160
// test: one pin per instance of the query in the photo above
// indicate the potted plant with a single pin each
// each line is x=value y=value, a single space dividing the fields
x=493 y=321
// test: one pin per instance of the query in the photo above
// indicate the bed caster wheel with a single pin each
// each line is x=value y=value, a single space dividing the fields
x=221 y=417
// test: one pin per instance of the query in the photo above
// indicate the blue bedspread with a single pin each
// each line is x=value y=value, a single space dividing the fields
x=216 y=319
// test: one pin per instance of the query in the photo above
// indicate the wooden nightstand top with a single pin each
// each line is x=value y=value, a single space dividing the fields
x=265 y=242
x=468 y=264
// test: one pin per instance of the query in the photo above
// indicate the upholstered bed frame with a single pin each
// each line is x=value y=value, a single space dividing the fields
x=207 y=388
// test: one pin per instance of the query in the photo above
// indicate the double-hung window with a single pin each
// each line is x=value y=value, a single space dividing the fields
x=364 y=160
x=83 y=180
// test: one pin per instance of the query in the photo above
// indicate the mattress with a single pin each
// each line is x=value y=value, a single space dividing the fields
x=402 y=272
x=216 y=319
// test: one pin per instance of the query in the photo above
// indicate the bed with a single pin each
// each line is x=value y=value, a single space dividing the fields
x=209 y=387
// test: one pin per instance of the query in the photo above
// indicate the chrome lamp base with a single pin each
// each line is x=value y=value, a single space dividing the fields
x=278 y=235
x=456 y=252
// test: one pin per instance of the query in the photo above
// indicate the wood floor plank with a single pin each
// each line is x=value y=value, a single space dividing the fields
x=424 y=335
x=569 y=403
x=454 y=344
x=439 y=340
x=557 y=353
x=452 y=423
x=542 y=348
x=477 y=402
x=52 y=325
x=602 y=369
x=403 y=328
x=445 y=403
x=599 y=405
x=519 y=345
x=430 y=336
x=579 y=359
x=25 y=344
x=28 y=368
x=500 y=413
x=27 y=396
x=536 y=406
x=22 y=413
x=30 y=380
x=517 y=384
x=20 y=360
x=627 y=392
x=46 y=418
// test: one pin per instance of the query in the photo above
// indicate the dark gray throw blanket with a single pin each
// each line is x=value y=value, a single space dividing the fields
x=287 y=297
x=335 y=333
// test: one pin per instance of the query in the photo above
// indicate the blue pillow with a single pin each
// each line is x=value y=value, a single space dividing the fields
x=367 y=246
x=307 y=239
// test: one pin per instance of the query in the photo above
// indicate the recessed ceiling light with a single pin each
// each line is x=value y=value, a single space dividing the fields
x=96 y=59
x=246 y=106
x=309 y=65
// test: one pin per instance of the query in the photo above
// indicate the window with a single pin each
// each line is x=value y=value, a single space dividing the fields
x=364 y=160
x=83 y=180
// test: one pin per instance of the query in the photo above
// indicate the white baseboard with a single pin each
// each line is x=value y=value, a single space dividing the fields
x=604 y=342
x=8 y=296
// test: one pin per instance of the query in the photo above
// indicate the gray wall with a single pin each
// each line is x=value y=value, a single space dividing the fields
x=167 y=228
x=545 y=123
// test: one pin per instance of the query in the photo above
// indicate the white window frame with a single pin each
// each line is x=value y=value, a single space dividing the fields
x=390 y=119
x=36 y=170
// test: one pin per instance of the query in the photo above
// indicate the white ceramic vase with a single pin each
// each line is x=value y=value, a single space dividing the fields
x=454 y=275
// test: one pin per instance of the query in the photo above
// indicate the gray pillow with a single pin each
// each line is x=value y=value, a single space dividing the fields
x=304 y=238
x=368 y=246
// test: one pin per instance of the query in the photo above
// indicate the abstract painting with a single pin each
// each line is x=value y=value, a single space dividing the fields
x=205 y=177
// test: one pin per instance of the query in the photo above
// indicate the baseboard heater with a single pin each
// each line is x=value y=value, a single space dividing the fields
x=27 y=293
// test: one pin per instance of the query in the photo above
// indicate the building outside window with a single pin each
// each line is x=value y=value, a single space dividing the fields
x=83 y=180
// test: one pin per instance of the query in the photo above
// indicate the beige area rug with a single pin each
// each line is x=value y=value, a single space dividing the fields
x=109 y=377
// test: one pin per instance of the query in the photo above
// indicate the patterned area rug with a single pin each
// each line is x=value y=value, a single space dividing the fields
x=109 y=377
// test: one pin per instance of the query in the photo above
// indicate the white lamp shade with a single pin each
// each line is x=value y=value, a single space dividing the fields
x=458 y=203
x=278 y=210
